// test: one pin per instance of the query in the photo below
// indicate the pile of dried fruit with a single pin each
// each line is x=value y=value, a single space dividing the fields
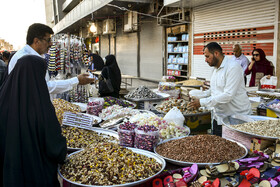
x=62 y=106
x=201 y=149
x=81 y=138
x=181 y=104
x=108 y=164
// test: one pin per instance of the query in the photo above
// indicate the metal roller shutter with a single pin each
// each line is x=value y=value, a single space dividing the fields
x=151 y=36
x=251 y=23
x=126 y=48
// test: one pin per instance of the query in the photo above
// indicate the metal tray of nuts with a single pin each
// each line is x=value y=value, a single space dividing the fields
x=200 y=165
x=230 y=121
x=139 y=151
x=99 y=131
x=162 y=96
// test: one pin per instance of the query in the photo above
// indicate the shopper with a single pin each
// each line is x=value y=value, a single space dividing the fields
x=112 y=72
x=30 y=135
x=241 y=59
x=259 y=67
x=227 y=93
x=38 y=42
x=6 y=56
x=96 y=62
x=3 y=71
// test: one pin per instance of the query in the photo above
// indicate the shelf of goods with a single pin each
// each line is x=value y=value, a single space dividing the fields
x=177 y=52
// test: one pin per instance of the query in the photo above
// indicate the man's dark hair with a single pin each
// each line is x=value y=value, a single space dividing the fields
x=37 y=30
x=6 y=54
x=214 y=46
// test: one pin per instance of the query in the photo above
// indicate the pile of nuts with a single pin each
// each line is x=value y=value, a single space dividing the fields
x=263 y=128
x=81 y=138
x=142 y=92
x=62 y=106
x=181 y=104
x=108 y=164
x=201 y=149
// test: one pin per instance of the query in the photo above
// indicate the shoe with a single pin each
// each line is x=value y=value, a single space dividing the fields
x=250 y=177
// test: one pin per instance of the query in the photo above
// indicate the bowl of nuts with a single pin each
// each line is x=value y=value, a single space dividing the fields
x=200 y=149
x=108 y=164
x=254 y=126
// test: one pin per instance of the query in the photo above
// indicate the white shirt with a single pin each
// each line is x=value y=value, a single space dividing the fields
x=55 y=87
x=242 y=60
x=227 y=93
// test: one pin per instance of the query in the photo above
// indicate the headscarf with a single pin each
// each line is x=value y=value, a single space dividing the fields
x=112 y=67
x=269 y=68
x=30 y=135
x=97 y=61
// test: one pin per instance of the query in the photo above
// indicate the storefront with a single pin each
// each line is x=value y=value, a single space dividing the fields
x=252 y=24
x=138 y=53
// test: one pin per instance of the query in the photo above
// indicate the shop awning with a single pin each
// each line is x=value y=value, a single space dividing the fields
x=83 y=9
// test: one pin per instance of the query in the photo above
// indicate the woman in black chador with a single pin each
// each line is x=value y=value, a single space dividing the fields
x=111 y=71
x=31 y=144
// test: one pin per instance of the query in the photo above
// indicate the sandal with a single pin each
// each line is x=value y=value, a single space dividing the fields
x=276 y=155
x=215 y=183
x=264 y=183
x=275 y=181
x=253 y=162
x=181 y=183
x=190 y=173
x=249 y=177
x=232 y=182
x=222 y=170
x=199 y=182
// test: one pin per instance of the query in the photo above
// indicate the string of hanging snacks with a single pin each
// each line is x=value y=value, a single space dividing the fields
x=67 y=54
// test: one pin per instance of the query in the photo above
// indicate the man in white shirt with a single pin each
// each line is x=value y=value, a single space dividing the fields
x=240 y=58
x=227 y=94
x=38 y=41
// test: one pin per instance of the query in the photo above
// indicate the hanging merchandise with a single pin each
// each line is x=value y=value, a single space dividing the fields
x=68 y=55
x=80 y=93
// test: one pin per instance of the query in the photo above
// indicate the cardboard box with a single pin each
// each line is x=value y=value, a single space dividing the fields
x=168 y=30
x=258 y=144
x=176 y=29
x=183 y=28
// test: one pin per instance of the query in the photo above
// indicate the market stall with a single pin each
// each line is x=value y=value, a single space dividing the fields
x=130 y=141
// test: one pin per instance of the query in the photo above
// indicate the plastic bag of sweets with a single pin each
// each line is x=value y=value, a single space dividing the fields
x=146 y=137
x=126 y=134
x=95 y=106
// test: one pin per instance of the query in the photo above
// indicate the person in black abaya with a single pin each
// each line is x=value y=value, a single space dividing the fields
x=31 y=143
x=96 y=62
x=111 y=71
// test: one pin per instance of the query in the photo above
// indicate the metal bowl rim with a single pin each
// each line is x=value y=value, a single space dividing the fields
x=182 y=163
x=139 y=151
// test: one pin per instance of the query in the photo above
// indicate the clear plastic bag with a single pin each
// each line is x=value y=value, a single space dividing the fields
x=146 y=140
x=175 y=115
x=164 y=86
x=126 y=137
x=95 y=106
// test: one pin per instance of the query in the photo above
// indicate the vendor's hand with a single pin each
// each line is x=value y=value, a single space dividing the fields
x=268 y=76
x=91 y=70
x=84 y=79
x=195 y=104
